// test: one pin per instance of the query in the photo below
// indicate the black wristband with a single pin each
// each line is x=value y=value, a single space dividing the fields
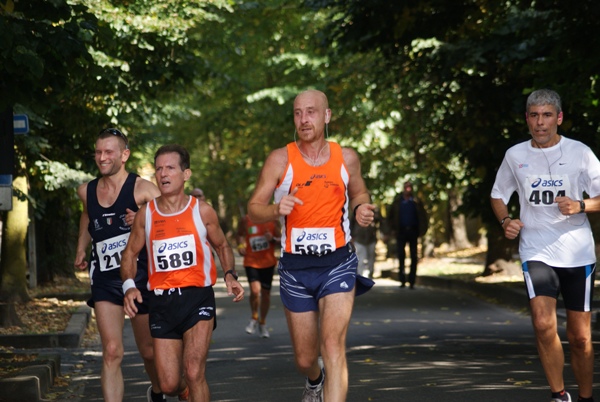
x=581 y=206
x=355 y=208
x=504 y=220
x=232 y=272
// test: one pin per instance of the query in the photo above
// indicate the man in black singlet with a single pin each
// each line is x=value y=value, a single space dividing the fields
x=109 y=206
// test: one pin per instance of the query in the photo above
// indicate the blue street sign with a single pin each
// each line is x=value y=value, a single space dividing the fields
x=6 y=180
x=20 y=124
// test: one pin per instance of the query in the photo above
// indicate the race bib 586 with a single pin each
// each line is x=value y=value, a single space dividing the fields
x=313 y=241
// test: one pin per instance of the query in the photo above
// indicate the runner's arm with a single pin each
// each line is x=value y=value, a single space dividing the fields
x=84 y=238
x=137 y=239
x=511 y=226
x=144 y=192
x=260 y=208
x=360 y=200
x=219 y=242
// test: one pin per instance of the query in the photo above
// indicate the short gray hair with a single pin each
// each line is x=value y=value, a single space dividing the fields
x=544 y=97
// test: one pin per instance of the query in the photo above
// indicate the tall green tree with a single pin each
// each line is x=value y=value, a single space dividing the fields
x=259 y=56
x=75 y=67
x=458 y=75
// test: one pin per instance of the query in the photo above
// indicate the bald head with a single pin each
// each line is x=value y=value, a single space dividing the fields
x=198 y=193
x=316 y=96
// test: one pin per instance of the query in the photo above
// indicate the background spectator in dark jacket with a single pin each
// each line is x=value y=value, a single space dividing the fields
x=408 y=221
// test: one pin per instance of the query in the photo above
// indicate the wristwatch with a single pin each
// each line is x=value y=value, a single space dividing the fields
x=582 y=206
x=504 y=220
x=232 y=273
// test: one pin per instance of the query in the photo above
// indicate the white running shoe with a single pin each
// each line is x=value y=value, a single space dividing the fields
x=252 y=327
x=566 y=398
x=263 y=331
x=314 y=393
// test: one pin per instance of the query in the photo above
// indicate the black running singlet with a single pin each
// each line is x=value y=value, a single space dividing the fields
x=110 y=234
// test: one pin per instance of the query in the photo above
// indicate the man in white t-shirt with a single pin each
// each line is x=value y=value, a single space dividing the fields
x=550 y=173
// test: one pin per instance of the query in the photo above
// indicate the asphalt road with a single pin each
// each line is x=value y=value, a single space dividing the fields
x=427 y=344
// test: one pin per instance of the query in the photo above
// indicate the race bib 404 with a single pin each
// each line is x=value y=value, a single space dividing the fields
x=109 y=252
x=313 y=241
x=541 y=191
x=174 y=253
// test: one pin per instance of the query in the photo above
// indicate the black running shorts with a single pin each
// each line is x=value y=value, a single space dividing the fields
x=575 y=284
x=179 y=309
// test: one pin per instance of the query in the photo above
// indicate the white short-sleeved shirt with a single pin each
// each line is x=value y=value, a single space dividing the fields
x=539 y=176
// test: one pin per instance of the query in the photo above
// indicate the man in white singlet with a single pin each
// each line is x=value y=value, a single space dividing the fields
x=550 y=173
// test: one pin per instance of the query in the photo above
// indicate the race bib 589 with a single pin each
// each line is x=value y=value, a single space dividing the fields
x=174 y=253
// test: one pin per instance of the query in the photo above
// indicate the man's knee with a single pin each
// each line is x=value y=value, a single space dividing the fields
x=333 y=346
x=169 y=386
x=194 y=371
x=305 y=362
x=579 y=340
x=544 y=324
x=113 y=352
x=147 y=352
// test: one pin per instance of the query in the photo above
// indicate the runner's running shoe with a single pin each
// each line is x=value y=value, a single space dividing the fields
x=565 y=397
x=184 y=396
x=314 y=393
x=264 y=331
x=252 y=327
x=154 y=397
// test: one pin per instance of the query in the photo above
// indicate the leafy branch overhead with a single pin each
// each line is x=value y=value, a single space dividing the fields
x=431 y=90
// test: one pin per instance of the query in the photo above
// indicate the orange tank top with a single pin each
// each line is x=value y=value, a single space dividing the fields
x=260 y=252
x=179 y=254
x=320 y=225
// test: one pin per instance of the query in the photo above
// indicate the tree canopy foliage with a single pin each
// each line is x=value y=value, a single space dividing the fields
x=458 y=73
x=429 y=90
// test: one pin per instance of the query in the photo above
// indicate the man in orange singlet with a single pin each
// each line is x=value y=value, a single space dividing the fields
x=178 y=231
x=315 y=183
x=256 y=243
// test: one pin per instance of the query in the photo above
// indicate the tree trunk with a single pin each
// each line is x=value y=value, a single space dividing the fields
x=499 y=248
x=13 y=265
x=459 y=239
x=9 y=316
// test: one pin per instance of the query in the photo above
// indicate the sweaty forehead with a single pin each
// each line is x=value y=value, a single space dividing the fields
x=108 y=143
x=168 y=159
x=311 y=99
x=542 y=109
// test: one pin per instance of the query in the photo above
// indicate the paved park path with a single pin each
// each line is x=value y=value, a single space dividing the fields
x=428 y=344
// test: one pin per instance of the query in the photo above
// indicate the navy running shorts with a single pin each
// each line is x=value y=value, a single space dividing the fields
x=113 y=292
x=301 y=289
